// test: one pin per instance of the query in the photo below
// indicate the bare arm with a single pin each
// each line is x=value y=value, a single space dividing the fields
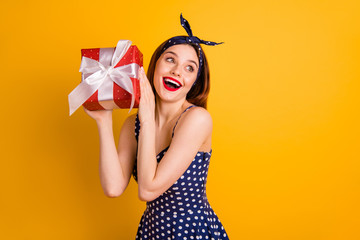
x=193 y=130
x=115 y=165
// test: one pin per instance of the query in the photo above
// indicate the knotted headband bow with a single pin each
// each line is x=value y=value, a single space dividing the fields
x=189 y=39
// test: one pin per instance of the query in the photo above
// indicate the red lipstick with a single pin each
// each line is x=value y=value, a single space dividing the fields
x=171 y=84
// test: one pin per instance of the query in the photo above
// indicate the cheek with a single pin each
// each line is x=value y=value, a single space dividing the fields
x=157 y=81
x=162 y=67
x=157 y=75
x=190 y=81
x=159 y=69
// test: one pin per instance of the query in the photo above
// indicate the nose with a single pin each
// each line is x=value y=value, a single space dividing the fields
x=175 y=71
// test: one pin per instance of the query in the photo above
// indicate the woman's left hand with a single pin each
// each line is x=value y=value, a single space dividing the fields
x=147 y=99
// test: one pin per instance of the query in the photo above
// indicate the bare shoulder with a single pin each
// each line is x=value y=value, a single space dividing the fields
x=199 y=114
x=127 y=134
x=131 y=118
x=196 y=118
x=129 y=123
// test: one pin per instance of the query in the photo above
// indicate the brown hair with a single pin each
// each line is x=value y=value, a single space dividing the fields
x=199 y=92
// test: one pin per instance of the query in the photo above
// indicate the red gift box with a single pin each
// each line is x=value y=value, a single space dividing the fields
x=106 y=82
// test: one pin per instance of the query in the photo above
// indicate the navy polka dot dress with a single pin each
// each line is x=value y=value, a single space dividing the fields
x=183 y=211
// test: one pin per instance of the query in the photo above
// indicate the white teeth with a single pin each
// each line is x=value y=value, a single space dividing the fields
x=173 y=82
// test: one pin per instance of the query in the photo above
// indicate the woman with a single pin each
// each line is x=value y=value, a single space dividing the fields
x=169 y=158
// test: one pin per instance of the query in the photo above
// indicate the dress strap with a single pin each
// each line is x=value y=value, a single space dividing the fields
x=137 y=127
x=172 y=135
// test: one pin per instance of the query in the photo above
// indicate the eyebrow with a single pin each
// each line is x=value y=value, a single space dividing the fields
x=188 y=60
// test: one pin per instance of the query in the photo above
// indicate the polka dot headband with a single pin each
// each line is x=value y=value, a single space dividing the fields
x=189 y=39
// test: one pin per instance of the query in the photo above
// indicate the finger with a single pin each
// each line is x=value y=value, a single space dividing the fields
x=143 y=75
x=140 y=75
x=144 y=82
x=142 y=93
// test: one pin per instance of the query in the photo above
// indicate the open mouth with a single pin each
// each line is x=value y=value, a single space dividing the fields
x=171 y=84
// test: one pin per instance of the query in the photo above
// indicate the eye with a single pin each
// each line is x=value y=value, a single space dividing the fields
x=170 y=59
x=190 y=68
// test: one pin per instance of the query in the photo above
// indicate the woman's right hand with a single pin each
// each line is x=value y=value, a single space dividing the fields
x=147 y=99
x=99 y=115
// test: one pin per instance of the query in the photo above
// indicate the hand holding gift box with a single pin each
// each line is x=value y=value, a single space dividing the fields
x=109 y=78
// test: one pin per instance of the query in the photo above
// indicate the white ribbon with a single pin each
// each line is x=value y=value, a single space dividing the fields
x=102 y=73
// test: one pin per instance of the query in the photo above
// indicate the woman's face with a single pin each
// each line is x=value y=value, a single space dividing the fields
x=175 y=72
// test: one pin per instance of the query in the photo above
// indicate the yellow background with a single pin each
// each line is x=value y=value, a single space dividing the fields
x=284 y=100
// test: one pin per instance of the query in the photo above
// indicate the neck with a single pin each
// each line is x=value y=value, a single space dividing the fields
x=165 y=112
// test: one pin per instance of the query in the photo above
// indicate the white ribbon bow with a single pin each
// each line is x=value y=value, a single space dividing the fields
x=102 y=73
